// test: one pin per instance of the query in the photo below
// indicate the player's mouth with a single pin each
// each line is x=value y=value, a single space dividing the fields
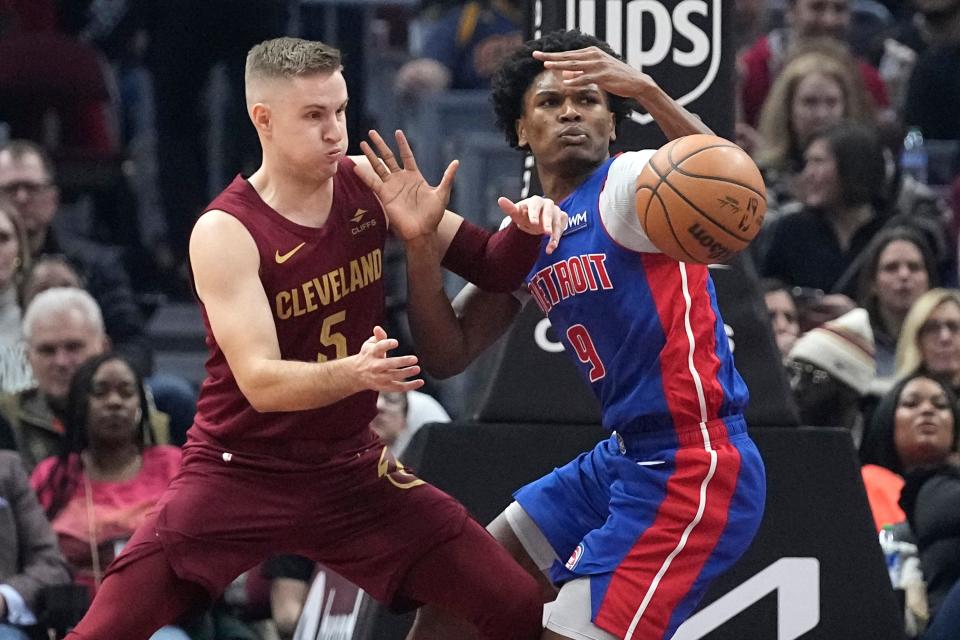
x=334 y=155
x=573 y=135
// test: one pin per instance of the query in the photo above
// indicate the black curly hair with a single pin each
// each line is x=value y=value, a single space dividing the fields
x=516 y=73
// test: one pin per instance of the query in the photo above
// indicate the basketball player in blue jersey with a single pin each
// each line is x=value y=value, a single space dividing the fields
x=632 y=532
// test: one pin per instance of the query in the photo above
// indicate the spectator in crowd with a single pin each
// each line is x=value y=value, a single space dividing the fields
x=895 y=441
x=832 y=370
x=401 y=414
x=464 y=47
x=62 y=327
x=48 y=272
x=806 y=20
x=26 y=175
x=910 y=453
x=783 y=314
x=930 y=337
x=817 y=90
x=109 y=474
x=844 y=207
x=934 y=88
x=14 y=262
x=898 y=267
x=29 y=556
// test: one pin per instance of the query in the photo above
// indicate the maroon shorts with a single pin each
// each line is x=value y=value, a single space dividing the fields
x=359 y=513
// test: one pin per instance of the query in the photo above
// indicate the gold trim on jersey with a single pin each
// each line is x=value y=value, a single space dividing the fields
x=384 y=471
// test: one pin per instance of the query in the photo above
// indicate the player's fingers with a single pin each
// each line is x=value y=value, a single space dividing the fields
x=580 y=79
x=508 y=206
x=446 y=183
x=384 y=150
x=379 y=333
x=407 y=385
x=551 y=226
x=535 y=211
x=375 y=163
x=406 y=153
x=405 y=372
x=396 y=363
x=561 y=55
x=381 y=347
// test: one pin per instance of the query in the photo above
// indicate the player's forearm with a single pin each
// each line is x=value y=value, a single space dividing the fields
x=495 y=262
x=285 y=385
x=440 y=340
x=673 y=119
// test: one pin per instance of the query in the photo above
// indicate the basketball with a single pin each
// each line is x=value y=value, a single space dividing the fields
x=701 y=198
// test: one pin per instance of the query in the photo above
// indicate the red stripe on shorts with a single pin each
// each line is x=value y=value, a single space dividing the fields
x=663 y=565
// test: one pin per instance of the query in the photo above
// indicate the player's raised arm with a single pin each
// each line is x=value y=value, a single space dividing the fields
x=448 y=341
x=225 y=264
x=493 y=261
x=449 y=337
x=594 y=66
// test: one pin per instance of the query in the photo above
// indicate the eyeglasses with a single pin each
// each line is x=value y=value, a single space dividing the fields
x=32 y=189
x=798 y=370
x=937 y=327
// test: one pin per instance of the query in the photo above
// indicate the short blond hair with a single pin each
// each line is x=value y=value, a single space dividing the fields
x=289 y=57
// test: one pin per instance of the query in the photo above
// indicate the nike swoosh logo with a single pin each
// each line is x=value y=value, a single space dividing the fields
x=281 y=258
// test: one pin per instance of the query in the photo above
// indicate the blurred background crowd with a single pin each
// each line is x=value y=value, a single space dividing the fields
x=120 y=119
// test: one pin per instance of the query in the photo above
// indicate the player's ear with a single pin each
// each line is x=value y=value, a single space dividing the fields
x=260 y=114
x=613 y=126
x=521 y=133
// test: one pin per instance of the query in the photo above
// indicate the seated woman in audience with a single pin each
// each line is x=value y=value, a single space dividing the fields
x=844 y=206
x=108 y=477
x=898 y=267
x=910 y=456
x=930 y=338
x=817 y=90
x=15 y=372
x=911 y=424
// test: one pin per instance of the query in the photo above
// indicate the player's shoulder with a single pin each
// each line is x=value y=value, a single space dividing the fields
x=216 y=222
x=222 y=234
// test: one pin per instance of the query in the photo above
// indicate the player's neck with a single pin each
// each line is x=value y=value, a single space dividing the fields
x=558 y=183
x=301 y=199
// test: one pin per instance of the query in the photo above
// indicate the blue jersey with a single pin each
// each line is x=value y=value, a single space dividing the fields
x=644 y=329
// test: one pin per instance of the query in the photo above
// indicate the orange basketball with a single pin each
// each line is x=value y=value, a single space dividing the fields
x=701 y=199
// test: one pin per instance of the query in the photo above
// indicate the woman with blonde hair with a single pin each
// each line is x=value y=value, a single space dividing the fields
x=930 y=337
x=15 y=371
x=816 y=90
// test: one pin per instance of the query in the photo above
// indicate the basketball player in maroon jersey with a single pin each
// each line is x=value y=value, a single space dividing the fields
x=288 y=268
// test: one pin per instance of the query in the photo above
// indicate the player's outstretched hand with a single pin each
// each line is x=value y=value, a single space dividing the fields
x=381 y=373
x=413 y=206
x=537 y=216
x=592 y=65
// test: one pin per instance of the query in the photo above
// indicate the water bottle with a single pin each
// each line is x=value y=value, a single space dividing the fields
x=891 y=554
x=913 y=158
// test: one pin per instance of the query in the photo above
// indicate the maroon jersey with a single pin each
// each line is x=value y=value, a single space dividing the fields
x=325 y=289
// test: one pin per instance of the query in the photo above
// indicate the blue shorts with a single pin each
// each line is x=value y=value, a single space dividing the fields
x=651 y=523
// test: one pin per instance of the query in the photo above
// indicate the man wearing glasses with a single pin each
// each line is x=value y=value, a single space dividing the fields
x=27 y=177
